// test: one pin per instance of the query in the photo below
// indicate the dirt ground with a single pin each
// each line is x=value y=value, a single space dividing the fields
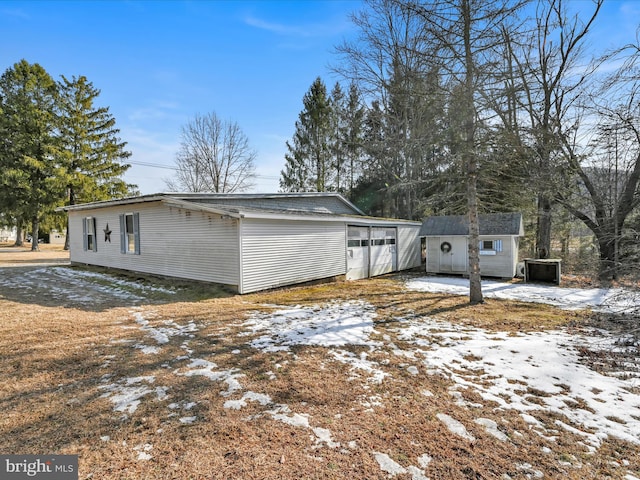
x=136 y=375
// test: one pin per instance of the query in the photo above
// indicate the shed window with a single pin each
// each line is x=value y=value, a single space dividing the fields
x=89 y=234
x=491 y=245
x=130 y=233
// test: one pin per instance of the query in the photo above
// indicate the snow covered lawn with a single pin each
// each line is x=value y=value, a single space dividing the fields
x=350 y=380
x=537 y=375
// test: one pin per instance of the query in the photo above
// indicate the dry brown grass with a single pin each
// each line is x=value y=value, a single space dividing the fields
x=53 y=359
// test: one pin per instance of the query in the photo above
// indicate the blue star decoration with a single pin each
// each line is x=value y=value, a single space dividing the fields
x=107 y=234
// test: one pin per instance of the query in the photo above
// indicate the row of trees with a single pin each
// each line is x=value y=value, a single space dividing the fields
x=459 y=107
x=56 y=147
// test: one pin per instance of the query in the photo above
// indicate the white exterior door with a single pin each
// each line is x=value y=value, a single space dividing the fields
x=453 y=254
x=459 y=254
x=357 y=253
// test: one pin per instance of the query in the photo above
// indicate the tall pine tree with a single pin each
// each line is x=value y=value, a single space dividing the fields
x=90 y=151
x=29 y=171
x=308 y=161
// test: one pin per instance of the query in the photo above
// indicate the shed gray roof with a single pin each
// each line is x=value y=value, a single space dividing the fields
x=490 y=224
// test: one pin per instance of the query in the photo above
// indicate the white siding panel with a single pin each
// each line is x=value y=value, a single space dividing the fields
x=409 y=255
x=173 y=242
x=276 y=253
x=501 y=264
x=433 y=254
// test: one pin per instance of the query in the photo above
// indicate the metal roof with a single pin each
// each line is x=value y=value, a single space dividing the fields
x=209 y=197
x=490 y=224
x=205 y=203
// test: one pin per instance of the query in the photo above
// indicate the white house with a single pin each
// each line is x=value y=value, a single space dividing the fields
x=248 y=241
x=56 y=237
x=447 y=239
x=8 y=234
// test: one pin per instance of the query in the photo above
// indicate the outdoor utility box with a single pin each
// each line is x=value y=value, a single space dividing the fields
x=542 y=270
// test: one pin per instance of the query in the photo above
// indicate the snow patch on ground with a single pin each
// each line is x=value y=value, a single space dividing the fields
x=334 y=325
x=567 y=298
x=544 y=364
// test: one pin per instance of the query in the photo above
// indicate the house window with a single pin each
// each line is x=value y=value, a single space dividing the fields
x=130 y=233
x=490 y=247
x=89 y=234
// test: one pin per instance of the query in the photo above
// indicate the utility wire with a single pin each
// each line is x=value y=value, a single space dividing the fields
x=167 y=167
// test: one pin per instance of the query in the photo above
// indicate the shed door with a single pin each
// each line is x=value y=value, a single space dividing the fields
x=357 y=253
x=453 y=257
x=383 y=250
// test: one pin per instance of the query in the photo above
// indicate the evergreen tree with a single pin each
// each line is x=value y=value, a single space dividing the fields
x=337 y=101
x=91 y=152
x=353 y=136
x=308 y=161
x=30 y=173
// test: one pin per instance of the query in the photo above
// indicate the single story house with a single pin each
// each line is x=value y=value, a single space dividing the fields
x=447 y=240
x=8 y=234
x=248 y=241
x=56 y=237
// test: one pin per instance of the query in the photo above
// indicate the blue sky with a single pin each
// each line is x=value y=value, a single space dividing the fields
x=159 y=63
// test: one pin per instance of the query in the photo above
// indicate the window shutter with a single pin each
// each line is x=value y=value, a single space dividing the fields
x=480 y=245
x=497 y=245
x=136 y=232
x=123 y=235
x=85 y=240
x=95 y=235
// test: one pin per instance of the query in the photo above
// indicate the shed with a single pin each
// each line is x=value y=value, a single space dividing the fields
x=250 y=242
x=447 y=240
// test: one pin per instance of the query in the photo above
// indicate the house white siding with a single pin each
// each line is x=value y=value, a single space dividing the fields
x=173 y=242
x=276 y=253
x=408 y=247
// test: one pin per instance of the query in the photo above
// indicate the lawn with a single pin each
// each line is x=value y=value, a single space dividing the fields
x=150 y=379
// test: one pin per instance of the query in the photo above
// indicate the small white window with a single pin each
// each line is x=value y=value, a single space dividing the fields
x=89 y=234
x=130 y=233
x=490 y=247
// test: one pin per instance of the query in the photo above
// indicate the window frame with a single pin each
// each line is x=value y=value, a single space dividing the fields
x=496 y=247
x=131 y=238
x=89 y=238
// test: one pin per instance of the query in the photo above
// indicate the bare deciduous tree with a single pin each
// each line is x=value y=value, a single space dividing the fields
x=214 y=156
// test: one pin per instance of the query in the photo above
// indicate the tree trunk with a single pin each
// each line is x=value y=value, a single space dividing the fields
x=471 y=162
x=607 y=269
x=72 y=201
x=543 y=232
x=19 y=234
x=66 y=237
x=35 y=230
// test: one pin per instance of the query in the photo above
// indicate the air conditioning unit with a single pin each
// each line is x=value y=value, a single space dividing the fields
x=520 y=270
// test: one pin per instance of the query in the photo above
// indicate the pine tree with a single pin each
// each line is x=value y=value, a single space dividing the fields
x=353 y=136
x=91 y=153
x=308 y=161
x=30 y=172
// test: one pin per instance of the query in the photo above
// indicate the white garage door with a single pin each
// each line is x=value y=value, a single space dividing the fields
x=371 y=251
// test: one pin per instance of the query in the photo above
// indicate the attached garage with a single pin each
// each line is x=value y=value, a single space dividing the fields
x=250 y=242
